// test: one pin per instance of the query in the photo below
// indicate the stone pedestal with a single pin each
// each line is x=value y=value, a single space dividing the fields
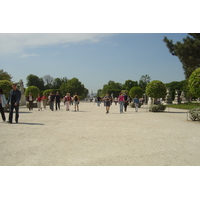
x=182 y=97
x=168 y=99
x=176 y=100
x=150 y=101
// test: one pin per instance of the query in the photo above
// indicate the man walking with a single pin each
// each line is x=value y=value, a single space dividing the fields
x=13 y=100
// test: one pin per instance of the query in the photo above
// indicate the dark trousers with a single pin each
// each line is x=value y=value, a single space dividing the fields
x=51 y=105
x=12 y=107
x=57 y=105
x=30 y=105
x=2 y=112
x=125 y=106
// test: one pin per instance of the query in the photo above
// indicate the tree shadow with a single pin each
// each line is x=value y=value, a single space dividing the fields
x=30 y=123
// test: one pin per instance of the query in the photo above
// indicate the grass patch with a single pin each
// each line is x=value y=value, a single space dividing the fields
x=186 y=106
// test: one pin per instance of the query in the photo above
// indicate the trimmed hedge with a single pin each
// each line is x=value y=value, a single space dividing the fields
x=157 y=108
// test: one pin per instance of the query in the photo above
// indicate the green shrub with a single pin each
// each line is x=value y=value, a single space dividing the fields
x=6 y=86
x=157 y=108
x=47 y=92
x=136 y=91
x=156 y=89
x=194 y=114
x=33 y=90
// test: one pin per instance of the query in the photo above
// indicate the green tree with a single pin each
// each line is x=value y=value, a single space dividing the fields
x=5 y=75
x=58 y=82
x=156 y=89
x=129 y=84
x=33 y=80
x=112 y=88
x=187 y=51
x=194 y=83
x=6 y=86
x=32 y=89
x=144 y=80
x=136 y=91
x=48 y=81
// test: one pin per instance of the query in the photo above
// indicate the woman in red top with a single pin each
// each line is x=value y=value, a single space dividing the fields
x=44 y=100
x=39 y=99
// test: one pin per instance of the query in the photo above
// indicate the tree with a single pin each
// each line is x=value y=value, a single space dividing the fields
x=129 y=84
x=156 y=89
x=33 y=80
x=188 y=52
x=194 y=83
x=135 y=91
x=74 y=86
x=6 y=86
x=144 y=80
x=33 y=90
x=48 y=81
x=58 y=82
x=5 y=75
x=112 y=88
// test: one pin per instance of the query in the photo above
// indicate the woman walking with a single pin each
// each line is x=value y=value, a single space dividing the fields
x=39 y=99
x=121 y=102
x=44 y=100
x=67 y=101
x=30 y=99
x=136 y=102
x=76 y=102
x=2 y=104
x=107 y=100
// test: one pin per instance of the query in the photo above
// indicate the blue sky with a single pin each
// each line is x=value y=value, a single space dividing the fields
x=93 y=58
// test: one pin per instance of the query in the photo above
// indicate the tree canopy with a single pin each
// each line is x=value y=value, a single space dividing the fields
x=187 y=51
x=194 y=83
x=33 y=80
x=5 y=75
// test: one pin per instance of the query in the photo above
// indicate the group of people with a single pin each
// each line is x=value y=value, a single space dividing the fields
x=123 y=100
x=54 y=99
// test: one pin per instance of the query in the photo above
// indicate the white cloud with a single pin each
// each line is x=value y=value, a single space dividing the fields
x=20 y=42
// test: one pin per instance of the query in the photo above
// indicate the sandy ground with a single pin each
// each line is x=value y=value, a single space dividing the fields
x=91 y=137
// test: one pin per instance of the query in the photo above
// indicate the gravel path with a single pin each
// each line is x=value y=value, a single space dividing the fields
x=90 y=137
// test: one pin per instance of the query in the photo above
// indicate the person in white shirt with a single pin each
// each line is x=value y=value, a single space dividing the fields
x=2 y=104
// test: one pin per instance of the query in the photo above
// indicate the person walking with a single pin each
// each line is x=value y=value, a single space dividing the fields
x=115 y=100
x=2 y=105
x=51 y=100
x=67 y=101
x=13 y=100
x=57 y=97
x=98 y=100
x=39 y=99
x=121 y=102
x=126 y=99
x=136 y=102
x=30 y=100
x=107 y=104
x=76 y=102
x=44 y=101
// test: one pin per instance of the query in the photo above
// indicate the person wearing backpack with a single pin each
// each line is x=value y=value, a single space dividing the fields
x=76 y=102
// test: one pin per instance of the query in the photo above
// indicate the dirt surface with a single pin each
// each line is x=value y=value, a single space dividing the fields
x=90 y=137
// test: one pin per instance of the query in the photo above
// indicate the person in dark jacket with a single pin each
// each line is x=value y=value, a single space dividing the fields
x=51 y=100
x=13 y=100
x=58 y=97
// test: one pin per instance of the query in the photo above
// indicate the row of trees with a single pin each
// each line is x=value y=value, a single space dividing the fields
x=45 y=85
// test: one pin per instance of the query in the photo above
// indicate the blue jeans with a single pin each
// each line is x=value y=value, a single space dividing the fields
x=121 y=105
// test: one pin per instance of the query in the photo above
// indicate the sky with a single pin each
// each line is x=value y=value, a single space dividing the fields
x=94 y=58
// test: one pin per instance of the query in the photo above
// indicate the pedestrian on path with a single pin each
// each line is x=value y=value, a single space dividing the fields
x=67 y=100
x=2 y=104
x=126 y=99
x=13 y=100
x=98 y=101
x=107 y=100
x=136 y=102
x=51 y=100
x=44 y=100
x=121 y=102
x=57 y=97
x=76 y=102
x=39 y=99
x=30 y=100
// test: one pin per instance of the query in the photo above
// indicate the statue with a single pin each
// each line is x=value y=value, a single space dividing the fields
x=23 y=99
